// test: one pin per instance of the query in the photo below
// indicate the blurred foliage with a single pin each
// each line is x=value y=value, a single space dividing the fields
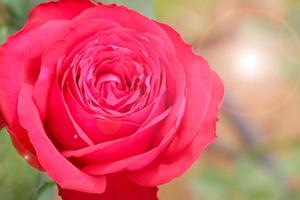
x=292 y=162
x=291 y=165
x=19 y=181
x=248 y=181
x=145 y=6
x=17 y=10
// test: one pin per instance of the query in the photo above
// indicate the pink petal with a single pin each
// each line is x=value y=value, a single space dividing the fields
x=59 y=126
x=27 y=154
x=18 y=65
x=36 y=39
x=141 y=160
x=170 y=166
x=118 y=188
x=59 y=168
x=204 y=96
x=62 y=9
x=127 y=18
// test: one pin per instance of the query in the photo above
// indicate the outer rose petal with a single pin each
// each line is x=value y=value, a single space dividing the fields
x=196 y=132
x=14 y=56
x=118 y=188
x=35 y=38
x=18 y=65
x=63 y=9
x=30 y=157
x=126 y=18
x=51 y=160
x=202 y=84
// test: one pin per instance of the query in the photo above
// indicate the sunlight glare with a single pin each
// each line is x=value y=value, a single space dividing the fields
x=250 y=63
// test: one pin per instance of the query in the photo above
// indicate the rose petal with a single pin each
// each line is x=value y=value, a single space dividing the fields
x=18 y=65
x=99 y=130
x=62 y=123
x=168 y=129
x=200 y=84
x=36 y=41
x=118 y=188
x=62 y=9
x=167 y=166
x=59 y=126
x=131 y=163
x=25 y=153
x=137 y=143
x=59 y=168
x=125 y=17
x=204 y=95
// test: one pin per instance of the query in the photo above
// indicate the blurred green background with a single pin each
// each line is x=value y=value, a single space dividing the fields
x=254 y=46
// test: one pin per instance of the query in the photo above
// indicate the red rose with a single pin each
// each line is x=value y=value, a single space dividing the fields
x=108 y=102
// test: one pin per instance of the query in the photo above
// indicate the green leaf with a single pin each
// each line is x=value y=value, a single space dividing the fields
x=47 y=192
x=45 y=188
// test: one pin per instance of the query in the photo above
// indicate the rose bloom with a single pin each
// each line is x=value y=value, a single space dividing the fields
x=109 y=103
